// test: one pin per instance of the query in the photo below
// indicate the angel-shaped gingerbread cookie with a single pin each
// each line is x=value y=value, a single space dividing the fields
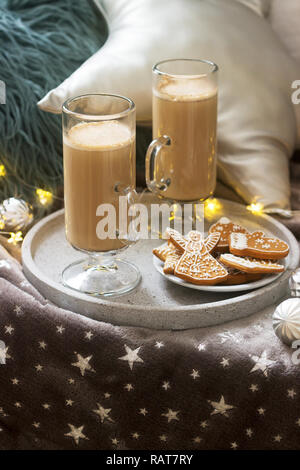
x=196 y=265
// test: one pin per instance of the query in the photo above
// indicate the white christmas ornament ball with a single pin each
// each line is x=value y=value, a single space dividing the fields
x=15 y=213
x=286 y=321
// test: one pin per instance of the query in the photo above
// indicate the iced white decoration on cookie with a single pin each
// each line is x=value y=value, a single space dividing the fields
x=251 y=265
x=211 y=241
x=224 y=220
x=238 y=241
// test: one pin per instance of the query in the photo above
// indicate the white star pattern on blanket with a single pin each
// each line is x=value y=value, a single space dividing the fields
x=103 y=413
x=76 y=433
x=262 y=363
x=131 y=356
x=121 y=388
x=83 y=364
x=220 y=407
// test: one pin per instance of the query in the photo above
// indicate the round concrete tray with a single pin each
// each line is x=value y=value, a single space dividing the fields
x=156 y=303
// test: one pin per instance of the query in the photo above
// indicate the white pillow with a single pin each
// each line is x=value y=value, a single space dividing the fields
x=285 y=20
x=261 y=7
x=257 y=129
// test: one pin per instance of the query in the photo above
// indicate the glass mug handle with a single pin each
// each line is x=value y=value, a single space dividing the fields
x=128 y=239
x=152 y=152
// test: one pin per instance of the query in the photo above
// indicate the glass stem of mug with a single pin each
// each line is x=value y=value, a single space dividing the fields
x=101 y=262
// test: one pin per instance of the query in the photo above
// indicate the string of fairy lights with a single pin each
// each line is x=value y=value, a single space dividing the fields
x=22 y=210
x=45 y=197
x=16 y=213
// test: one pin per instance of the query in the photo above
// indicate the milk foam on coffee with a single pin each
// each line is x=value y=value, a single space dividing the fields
x=99 y=135
x=97 y=156
x=185 y=109
x=184 y=90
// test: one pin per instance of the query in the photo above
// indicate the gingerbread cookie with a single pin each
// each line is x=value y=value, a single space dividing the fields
x=196 y=265
x=225 y=227
x=251 y=265
x=162 y=251
x=174 y=256
x=238 y=278
x=171 y=261
x=235 y=276
x=257 y=245
x=168 y=253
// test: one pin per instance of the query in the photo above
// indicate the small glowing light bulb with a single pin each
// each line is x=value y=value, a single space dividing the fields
x=212 y=205
x=45 y=197
x=2 y=170
x=256 y=208
x=15 y=237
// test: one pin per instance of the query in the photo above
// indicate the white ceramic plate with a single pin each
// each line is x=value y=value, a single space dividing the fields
x=158 y=264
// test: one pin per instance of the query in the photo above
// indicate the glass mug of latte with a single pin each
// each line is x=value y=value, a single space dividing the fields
x=181 y=160
x=99 y=167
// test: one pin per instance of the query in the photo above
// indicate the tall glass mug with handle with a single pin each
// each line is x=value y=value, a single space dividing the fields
x=181 y=160
x=99 y=167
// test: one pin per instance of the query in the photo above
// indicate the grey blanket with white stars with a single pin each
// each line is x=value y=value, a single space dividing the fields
x=68 y=382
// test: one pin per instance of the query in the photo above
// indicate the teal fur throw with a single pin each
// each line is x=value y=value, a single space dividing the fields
x=41 y=44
